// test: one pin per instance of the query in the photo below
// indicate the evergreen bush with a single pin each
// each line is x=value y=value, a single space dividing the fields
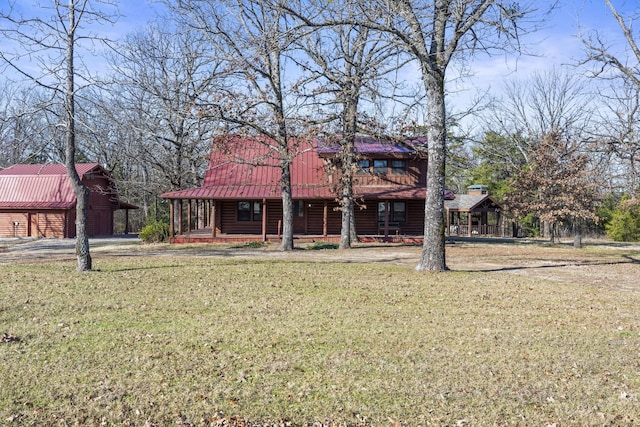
x=624 y=225
x=154 y=232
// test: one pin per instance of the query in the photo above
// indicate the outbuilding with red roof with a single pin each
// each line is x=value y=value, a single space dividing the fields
x=38 y=201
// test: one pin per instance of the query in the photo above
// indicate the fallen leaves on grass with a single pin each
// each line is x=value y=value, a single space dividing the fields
x=6 y=338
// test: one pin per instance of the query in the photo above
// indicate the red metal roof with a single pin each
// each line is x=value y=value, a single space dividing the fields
x=42 y=186
x=243 y=168
x=371 y=145
x=36 y=191
x=48 y=169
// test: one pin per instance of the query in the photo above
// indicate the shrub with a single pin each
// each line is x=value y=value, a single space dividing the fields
x=530 y=225
x=323 y=245
x=624 y=225
x=250 y=245
x=154 y=232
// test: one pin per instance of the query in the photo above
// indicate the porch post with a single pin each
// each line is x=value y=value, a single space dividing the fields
x=325 y=219
x=213 y=218
x=207 y=211
x=189 y=207
x=386 y=219
x=126 y=221
x=448 y=232
x=180 y=216
x=264 y=220
x=469 y=224
x=172 y=225
x=196 y=212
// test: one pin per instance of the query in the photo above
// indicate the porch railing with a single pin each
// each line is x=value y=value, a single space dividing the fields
x=476 y=230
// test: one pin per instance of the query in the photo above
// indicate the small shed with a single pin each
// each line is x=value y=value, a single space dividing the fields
x=38 y=201
x=473 y=214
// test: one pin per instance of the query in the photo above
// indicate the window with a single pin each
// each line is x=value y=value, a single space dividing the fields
x=380 y=167
x=382 y=207
x=298 y=208
x=397 y=211
x=250 y=211
x=363 y=166
x=398 y=167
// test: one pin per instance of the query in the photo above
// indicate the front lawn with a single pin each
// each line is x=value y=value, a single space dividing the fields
x=193 y=341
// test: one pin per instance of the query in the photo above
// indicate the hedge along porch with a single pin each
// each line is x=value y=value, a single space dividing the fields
x=240 y=199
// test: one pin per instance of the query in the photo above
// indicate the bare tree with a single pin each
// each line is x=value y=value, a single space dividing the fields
x=164 y=75
x=21 y=126
x=51 y=42
x=348 y=65
x=252 y=39
x=618 y=134
x=437 y=34
x=548 y=101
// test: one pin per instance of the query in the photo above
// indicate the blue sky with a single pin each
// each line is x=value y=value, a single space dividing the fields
x=556 y=44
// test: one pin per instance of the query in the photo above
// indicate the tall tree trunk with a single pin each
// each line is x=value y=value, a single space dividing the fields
x=347 y=145
x=577 y=233
x=433 y=249
x=287 y=205
x=81 y=192
x=352 y=226
x=346 y=182
x=345 y=227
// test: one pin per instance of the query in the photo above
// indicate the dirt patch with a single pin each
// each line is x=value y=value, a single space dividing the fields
x=598 y=263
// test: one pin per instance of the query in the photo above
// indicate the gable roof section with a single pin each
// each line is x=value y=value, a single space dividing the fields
x=36 y=191
x=468 y=203
x=247 y=168
x=43 y=186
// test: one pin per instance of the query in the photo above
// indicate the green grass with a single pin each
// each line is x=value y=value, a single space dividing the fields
x=176 y=340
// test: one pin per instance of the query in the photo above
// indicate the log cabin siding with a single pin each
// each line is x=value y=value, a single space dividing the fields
x=415 y=175
x=367 y=218
x=415 y=217
x=366 y=214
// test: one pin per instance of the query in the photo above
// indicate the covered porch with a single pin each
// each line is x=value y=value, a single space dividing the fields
x=473 y=214
x=227 y=221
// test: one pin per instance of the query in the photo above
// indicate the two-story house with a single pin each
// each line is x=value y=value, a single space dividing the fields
x=240 y=198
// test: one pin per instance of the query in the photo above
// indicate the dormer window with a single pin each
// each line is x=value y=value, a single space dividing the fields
x=398 y=167
x=380 y=166
x=364 y=166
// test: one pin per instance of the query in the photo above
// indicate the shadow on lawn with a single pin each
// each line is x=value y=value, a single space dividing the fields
x=630 y=260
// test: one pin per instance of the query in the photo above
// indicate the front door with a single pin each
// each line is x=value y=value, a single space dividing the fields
x=299 y=217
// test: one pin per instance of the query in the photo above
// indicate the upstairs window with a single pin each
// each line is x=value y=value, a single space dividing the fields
x=398 y=167
x=250 y=211
x=380 y=166
x=364 y=166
